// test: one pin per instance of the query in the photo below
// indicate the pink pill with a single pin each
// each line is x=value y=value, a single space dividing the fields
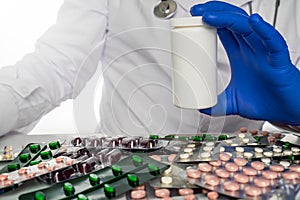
x=231 y=167
x=295 y=168
x=231 y=186
x=185 y=191
x=70 y=162
x=156 y=157
x=193 y=173
x=23 y=171
x=241 y=178
x=51 y=168
x=31 y=175
x=3 y=177
x=276 y=168
x=215 y=163
x=171 y=157
x=138 y=194
x=222 y=173
x=249 y=171
x=8 y=182
x=212 y=180
x=240 y=161
x=271 y=139
x=253 y=191
x=258 y=165
x=162 y=193
x=243 y=129
x=224 y=157
x=42 y=165
x=269 y=174
x=261 y=182
x=253 y=131
x=205 y=167
x=277 y=135
x=290 y=175
x=212 y=195
x=60 y=159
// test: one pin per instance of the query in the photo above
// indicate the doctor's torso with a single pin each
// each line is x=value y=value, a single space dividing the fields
x=136 y=67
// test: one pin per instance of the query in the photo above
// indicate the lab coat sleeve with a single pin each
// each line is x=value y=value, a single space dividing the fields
x=65 y=58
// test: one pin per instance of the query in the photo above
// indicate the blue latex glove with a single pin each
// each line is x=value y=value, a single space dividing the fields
x=265 y=85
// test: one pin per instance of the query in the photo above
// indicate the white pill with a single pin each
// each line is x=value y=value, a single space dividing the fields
x=222 y=149
x=268 y=153
x=248 y=155
x=258 y=150
x=167 y=180
x=239 y=149
x=184 y=156
x=246 y=140
x=205 y=155
x=277 y=150
x=266 y=160
x=287 y=153
x=188 y=150
x=295 y=149
x=241 y=135
x=228 y=141
x=191 y=145
x=210 y=144
x=285 y=164
x=234 y=144
x=207 y=148
x=253 y=144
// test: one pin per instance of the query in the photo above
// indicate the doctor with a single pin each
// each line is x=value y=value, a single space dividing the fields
x=133 y=48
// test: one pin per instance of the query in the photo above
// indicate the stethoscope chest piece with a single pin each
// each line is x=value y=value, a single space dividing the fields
x=165 y=9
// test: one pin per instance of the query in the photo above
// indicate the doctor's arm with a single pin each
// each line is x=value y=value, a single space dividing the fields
x=264 y=82
x=65 y=58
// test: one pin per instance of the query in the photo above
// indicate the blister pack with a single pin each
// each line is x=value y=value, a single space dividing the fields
x=32 y=154
x=106 y=183
x=243 y=179
x=134 y=144
x=14 y=178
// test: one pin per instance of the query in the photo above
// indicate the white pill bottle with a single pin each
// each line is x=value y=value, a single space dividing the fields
x=194 y=57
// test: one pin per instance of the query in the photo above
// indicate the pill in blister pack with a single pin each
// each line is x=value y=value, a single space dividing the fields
x=106 y=183
x=86 y=162
x=194 y=138
x=239 y=178
x=33 y=152
x=251 y=153
x=147 y=192
x=8 y=153
x=138 y=144
x=14 y=178
x=198 y=152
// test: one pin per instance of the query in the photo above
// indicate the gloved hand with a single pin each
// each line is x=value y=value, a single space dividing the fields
x=264 y=85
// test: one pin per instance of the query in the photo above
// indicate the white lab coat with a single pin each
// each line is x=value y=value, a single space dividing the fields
x=133 y=48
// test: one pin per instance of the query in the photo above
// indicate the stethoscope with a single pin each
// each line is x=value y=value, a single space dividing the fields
x=167 y=8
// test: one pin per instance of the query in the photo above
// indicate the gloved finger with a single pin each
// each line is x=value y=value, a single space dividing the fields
x=229 y=42
x=273 y=41
x=215 y=6
x=232 y=21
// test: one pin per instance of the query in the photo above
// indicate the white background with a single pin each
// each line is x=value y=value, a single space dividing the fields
x=22 y=22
